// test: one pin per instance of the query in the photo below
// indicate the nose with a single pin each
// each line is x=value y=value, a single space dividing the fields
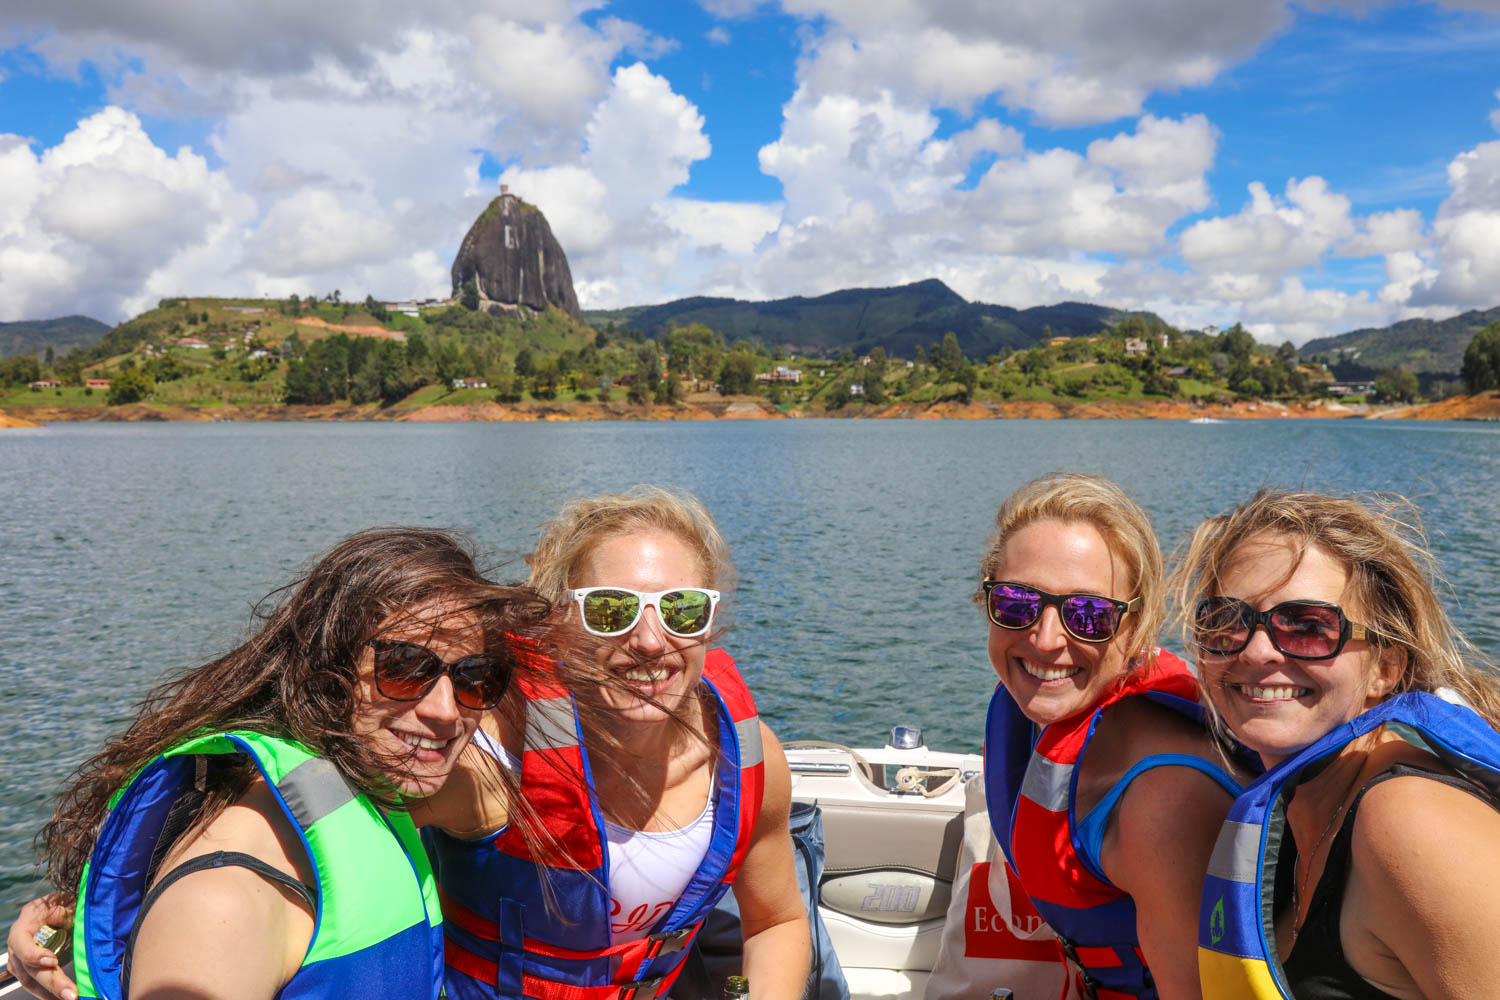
x=439 y=704
x=1048 y=632
x=648 y=636
x=1260 y=648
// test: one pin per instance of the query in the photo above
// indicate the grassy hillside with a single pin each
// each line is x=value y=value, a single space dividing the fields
x=211 y=352
x=34 y=336
x=1418 y=345
x=861 y=319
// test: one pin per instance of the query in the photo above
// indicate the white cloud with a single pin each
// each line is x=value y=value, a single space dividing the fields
x=1299 y=314
x=1466 y=234
x=1495 y=115
x=1271 y=236
x=874 y=197
x=89 y=222
x=1392 y=232
x=1090 y=61
x=629 y=239
x=718 y=35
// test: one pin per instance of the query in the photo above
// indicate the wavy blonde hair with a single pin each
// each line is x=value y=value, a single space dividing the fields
x=1074 y=498
x=569 y=539
x=1393 y=578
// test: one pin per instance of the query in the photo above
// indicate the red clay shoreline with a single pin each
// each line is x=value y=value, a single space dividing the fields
x=1483 y=406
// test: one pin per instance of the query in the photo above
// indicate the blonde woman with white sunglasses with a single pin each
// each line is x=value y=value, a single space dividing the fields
x=651 y=808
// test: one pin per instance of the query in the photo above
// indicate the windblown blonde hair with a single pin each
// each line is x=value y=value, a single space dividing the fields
x=1074 y=498
x=1393 y=579
x=569 y=539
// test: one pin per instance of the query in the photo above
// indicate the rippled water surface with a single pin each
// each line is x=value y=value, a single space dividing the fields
x=130 y=549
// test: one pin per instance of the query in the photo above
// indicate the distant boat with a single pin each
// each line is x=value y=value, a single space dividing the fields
x=1205 y=420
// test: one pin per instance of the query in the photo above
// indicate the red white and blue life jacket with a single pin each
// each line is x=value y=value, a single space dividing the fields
x=533 y=920
x=1031 y=785
x=1236 y=951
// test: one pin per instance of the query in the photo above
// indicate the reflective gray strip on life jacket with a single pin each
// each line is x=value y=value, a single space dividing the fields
x=549 y=724
x=752 y=752
x=313 y=789
x=1046 y=783
x=1236 y=856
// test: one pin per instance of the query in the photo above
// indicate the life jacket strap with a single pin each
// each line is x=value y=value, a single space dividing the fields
x=640 y=989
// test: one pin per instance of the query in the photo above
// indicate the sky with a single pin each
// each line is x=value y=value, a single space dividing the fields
x=1302 y=168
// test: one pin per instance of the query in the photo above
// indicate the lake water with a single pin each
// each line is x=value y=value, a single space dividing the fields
x=129 y=549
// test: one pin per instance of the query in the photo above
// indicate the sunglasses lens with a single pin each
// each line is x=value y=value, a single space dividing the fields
x=405 y=670
x=1307 y=630
x=1092 y=619
x=1219 y=625
x=686 y=612
x=1014 y=606
x=479 y=681
x=610 y=612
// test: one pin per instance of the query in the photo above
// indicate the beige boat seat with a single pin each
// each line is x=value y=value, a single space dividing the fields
x=893 y=828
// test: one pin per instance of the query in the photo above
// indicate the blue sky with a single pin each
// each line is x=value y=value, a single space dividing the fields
x=1302 y=169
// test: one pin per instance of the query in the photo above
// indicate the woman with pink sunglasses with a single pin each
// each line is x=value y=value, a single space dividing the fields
x=1361 y=864
x=1102 y=787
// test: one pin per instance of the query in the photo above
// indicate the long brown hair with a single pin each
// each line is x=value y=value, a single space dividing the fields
x=1393 y=577
x=295 y=676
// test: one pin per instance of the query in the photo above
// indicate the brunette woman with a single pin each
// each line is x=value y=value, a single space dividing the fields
x=246 y=835
x=1359 y=866
x=1102 y=784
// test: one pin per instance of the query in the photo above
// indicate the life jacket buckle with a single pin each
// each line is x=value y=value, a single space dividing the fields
x=671 y=942
x=1088 y=985
x=642 y=989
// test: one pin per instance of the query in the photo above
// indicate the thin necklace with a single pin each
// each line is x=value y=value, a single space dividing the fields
x=1299 y=882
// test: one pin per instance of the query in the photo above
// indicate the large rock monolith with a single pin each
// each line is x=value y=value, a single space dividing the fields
x=514 y=259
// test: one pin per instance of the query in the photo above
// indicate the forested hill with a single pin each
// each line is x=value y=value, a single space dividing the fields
x=34 y=336
x=898 y=319
x=1418 y=345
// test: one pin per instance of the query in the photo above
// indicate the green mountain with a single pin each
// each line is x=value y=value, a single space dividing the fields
x=1418 y=345
x=34 y=336
x=899 y=319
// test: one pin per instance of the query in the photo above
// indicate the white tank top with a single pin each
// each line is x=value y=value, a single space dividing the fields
x=647 y=871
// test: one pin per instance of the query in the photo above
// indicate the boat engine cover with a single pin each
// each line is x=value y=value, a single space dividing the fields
x=887 y=896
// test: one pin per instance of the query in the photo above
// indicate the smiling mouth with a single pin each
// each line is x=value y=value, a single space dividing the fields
x=1271 y=692
x=422 y=742
x=648 y=676
x=1046 y=673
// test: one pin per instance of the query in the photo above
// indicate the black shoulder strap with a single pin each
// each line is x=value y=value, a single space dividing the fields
x=218 y=859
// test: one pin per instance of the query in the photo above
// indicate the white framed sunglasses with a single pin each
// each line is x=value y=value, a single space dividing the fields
x=612 y=611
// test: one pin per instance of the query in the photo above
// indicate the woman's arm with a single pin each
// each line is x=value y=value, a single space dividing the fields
x=227 y=932
x=778 y=943
x=1419 y=913
x=36 y=968
x=219 y=933
x=1157 y=849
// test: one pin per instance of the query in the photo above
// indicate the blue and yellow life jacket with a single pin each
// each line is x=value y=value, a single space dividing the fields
x=378 y=933
x=1237 y=957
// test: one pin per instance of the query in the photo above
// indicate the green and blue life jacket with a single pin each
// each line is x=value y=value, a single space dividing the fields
x=1237 y=957
x=378 y=931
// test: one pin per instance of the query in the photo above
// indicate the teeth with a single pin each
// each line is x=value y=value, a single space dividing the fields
x=1048 y=673
x=1280 y=692
x=422 y=743
x=647 y=675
